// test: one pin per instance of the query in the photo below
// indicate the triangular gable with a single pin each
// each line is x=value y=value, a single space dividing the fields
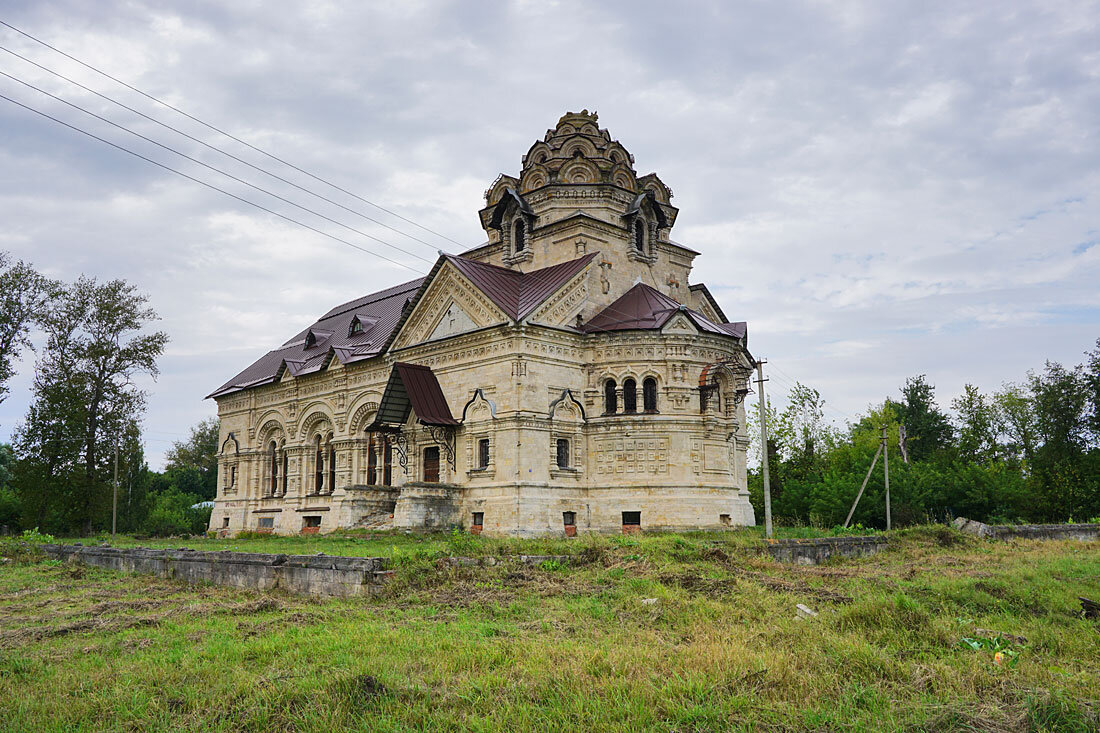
x=412 y=388
x=446 y=285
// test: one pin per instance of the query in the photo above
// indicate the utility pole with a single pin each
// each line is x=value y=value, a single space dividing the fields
x=886 y=466
x=863 y=486
x=114 y=498
x=764 y=448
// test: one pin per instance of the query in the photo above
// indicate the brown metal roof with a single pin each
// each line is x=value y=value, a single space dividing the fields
x=331 y=330
x=412 y=387
x=518 y=293
x=643 y=308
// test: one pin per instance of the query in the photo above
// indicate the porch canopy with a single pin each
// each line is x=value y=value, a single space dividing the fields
x=412 y=387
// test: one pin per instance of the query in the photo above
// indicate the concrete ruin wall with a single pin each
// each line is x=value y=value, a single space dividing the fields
x=1083 y=532
x=318 y=575
x=818 y=550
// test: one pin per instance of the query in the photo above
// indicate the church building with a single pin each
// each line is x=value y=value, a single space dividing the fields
x=563 y=377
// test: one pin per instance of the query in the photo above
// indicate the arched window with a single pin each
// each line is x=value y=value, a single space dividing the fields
x=649 y=394
x=639 y=234
x=520 y=238
x=630 y=395
x=319 y=469
x=274 y=468
x=610 y=398
x=372 y=463
x=286 y=472
x=331 y=468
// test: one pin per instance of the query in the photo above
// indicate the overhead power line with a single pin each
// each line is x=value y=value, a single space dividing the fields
x=213 y=168
x=204 y=183
x=214 y=147
x=229 y=135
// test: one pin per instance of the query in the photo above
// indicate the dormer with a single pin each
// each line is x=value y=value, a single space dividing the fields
x=360 y=324
x=316 y=337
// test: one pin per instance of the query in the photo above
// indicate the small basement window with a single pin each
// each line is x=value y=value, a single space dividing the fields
x=267 y=523
x=569 y=519
x=225 y=522
x=311 y=521
x=724 y=519
x=632 y=519
x=479 y=518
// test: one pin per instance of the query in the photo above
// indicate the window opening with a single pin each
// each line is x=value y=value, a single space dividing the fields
x=610 y=398
x=563 y=453
x=331 y=469
x=649 y=394
x=225 y=522
x=387 y=462
x=319 y=469
x=632 y=519
x=639 y=235
x=569 y=519
x=274 y=469
x=267 y=523
x=286 y=471
x=630 y=396
x=520 y=236
x=372 y=463
x=483 y=453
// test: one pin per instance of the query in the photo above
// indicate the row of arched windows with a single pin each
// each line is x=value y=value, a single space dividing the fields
x=630 y=396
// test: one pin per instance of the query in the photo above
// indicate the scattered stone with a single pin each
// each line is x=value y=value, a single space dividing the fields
x=805 y=611
x=1090 y=608
x=649 y=601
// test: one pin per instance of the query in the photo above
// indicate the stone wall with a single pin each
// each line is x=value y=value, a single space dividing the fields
x=818 y=550
x=1083 y=532
x=318 y=575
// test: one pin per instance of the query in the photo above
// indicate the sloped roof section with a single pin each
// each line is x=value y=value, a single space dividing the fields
x=644 y=308
x=519 y=293
x=412 y=387
x=385 y=307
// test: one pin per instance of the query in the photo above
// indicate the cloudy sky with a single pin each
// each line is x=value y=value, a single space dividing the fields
x=879 y=189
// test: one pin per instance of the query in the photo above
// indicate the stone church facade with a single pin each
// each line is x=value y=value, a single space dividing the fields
x=564 y=376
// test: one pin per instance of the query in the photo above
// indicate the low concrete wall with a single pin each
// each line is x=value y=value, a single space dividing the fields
x=1084 y=532
x=318 y=575
x=818 y=550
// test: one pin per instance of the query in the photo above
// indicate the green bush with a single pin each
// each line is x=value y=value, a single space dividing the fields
x=174 y=513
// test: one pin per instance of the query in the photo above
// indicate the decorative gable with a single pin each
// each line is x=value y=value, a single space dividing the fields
x=449 y=295
x=453 y=321
x=680 y=323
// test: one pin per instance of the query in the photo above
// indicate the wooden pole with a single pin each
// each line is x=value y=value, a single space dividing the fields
x=886 y=466
x=863 y=486
x=764 y=449
x=114 y=498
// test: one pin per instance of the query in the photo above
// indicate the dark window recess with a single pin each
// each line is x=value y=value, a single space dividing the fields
x=372 y=462
x=724 y=519
x=479 y=518
x=649 y=394
x=563 y=453
x=610 y=398
x=630 y=396
x=232 y=475
x=483 y=453
x=431 y=464
x=286 y=470
x=331 y=469
x=267 y=523
x=521 y=236
x=632 y=519
x=274 y=469
x=225 y=522
x=311 y=521
x=387 y=463
x=355 y=328
x=569 y=519
x=319 y=469
x=639 y=235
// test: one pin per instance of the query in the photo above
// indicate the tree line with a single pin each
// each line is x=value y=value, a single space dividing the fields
x=94 y=342
x=1028 y=452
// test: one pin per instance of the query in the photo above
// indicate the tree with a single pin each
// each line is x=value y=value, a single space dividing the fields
x=976 y=416
x=199 y=452
x=927 y=429
x=24 y=297
x=85 y=398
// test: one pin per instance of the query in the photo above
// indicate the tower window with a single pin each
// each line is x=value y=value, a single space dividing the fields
x=483 y=453
x=649 y=394
x=630 y=395
x=563 y=453
x=639 y=235
x=610 y=398
x=520 y=238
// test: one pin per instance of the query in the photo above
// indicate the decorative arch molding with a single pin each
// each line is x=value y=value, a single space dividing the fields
x=477 y=401
x=272 y=429
x=723 y=379
x=535 y=177
x=316 y=415
x=533 y=154
x=622 y=176
x=579 y=171
x=236 y=444
x=567 y=401
x=499 y=188
x=575 y=142
x=363 y=412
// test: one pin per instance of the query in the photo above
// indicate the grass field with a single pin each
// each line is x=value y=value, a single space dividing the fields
x=677 y=632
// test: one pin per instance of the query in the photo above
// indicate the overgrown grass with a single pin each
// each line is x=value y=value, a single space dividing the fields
x=674 y=632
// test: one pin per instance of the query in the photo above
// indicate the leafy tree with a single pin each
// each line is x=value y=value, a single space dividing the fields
x=199 y=453
x=976 y=416
x=24 y=298
x=9 y=503
x=927 y=428
x=85 y=398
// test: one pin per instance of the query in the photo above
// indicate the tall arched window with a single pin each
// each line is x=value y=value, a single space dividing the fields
x=639 y=234
x=520 y=238
x=274 y=468
x=610 y=398
x=286 y=472
x=630 y=395
x=372 y=463
x=331 y=468
x=319 y=469
x=649 y=394
x=387 y=462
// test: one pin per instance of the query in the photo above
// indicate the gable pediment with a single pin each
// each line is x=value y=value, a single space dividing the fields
x=680 y=323
x=450 y=305
x=561 y=308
